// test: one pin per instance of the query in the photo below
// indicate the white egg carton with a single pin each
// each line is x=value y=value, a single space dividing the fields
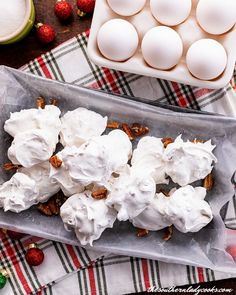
x=189 y=31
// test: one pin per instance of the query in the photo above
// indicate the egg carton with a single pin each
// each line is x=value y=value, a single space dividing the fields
x=189 y=31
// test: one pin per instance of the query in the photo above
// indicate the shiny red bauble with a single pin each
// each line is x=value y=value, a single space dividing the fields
x=34 y=256
x=45 y=33
x=85 y=6
x=63 y=9
x=232 y=251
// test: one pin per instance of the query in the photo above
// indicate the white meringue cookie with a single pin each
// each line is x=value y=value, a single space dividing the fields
x=130 y=194
x=19 y=193
x=187 y=209
x=61 y=176
x=87 y=216
x=80 y=125
x=148 y=158
x=40 y=174
x=154 y=216
x=32 y=147
x=187 y=162
x=47 y=119
x=98 y=158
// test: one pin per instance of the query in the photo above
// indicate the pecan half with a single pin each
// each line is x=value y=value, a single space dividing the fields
x=164 y=192
x=166 y=141
x=53 y=101
x=139 y=130
x=40 y=102
x=113 y=124
x=196 y=140
x=52 y=206
x=10 y=166
x=168 y=233
x=99 y=194
x=128 y=131
x=55 y=161
x=141 y=232
x=208 y=182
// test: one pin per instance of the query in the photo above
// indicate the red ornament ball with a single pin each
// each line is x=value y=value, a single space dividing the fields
x=85 y=6
x=45 y=33
x=34 y=256
x=14 y=235
x=232 y=251
x=63 y=9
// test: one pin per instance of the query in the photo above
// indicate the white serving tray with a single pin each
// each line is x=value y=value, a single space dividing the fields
x=205 y=248
x=189 y=31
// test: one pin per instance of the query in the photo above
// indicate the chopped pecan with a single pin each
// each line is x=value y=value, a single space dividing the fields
x=141 y=232
x=168 y=233
x=166 y=141
x=208 y=182
x=196 y=140
x=41 y=102
x=53 y=101
x=164 y=192
x=10 y=166
x=99 y=194
x=139 y=130
x=113 y=124
x=52 y=206
x=128 y=131
x=55 y=161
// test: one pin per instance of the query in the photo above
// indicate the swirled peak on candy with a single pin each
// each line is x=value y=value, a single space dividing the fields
x=40 y=174
x=185 y=208
x=47 y=118
x=130 y=193
x=148 y=158
x=80 y=125
x=19 y=193
x=98 y=158
x=187 y=161
x=87 y=217
x=32 y=147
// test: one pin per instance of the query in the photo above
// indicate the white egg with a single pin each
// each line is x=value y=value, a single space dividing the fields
x=162 y=48
x=171 y=12
x=216 y=16
x=206 y=59
x=117 y=40
x=126 y=7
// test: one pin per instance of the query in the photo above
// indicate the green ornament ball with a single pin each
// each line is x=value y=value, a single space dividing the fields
x=3 y=281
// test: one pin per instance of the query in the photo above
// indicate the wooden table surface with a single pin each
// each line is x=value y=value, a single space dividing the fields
x=18 y=54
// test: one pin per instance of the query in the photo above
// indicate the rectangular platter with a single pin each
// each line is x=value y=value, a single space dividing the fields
x=205 y=248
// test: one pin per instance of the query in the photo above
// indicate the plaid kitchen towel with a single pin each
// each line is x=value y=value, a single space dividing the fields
x=73 y=270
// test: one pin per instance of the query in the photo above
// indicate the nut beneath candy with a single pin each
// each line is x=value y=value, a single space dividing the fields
x=113 y=125
x=139 y=130
x=208 y=182
x=141 y=232
x=99 y=194
x=53 y=101
x=166 y=141
x=196 y=140
x=128 y=131
x=55 y=161
x=52 y=206
x=10 y=166
x=164 y=192
x=40 y=102
x=168 y=233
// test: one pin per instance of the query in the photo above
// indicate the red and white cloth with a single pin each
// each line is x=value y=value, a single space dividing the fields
x=73 y=270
